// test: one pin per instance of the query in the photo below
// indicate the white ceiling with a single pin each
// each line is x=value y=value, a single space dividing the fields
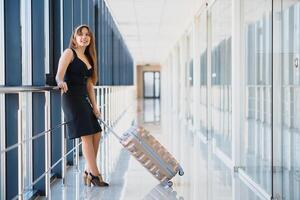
x=151 y=27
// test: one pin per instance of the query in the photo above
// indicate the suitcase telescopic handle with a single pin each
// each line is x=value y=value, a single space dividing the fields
x=110 y=129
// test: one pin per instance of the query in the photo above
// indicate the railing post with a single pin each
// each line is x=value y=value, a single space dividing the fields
x=77 y=186
x=115 y=105
x=47 y=145
x=111 y=118
x=109 y=105
x=63 y=150
x=20 y=149
x=77 y=153
x=2 y=146
x=101 y=99
x=109 y=123
x=2 y=106
x=106 y=105
x=98 y=98
x=106 y=120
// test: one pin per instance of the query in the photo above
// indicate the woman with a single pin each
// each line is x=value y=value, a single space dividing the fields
x=76 y=76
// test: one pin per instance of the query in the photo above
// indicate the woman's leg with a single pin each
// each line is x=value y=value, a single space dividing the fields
x=89 y=154
x=96 y=140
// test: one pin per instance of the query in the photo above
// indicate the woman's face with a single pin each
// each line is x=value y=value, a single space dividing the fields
x=83 y=38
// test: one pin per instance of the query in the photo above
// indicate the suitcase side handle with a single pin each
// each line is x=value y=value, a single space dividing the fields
x=110 y=129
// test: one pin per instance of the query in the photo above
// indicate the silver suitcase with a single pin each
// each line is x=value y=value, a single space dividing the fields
x=150 y=153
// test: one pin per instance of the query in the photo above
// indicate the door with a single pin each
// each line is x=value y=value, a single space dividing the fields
x=151 y=81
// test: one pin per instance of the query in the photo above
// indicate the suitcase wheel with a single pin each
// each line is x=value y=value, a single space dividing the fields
x=170 y=183
x=181 y=172
x=167 y=183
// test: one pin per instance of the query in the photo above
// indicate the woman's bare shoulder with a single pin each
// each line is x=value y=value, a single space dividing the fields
x=67 y=54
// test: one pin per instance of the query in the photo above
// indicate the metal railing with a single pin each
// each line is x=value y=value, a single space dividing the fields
x=20 y=144
x=114 y=103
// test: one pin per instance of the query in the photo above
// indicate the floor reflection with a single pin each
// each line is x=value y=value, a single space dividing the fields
x=206 y=177
x=151 y=110
x=162 y=193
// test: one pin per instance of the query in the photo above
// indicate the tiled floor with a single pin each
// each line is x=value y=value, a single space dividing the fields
x=130 y=181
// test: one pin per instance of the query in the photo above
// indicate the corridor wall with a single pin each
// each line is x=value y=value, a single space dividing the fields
x=241 y=94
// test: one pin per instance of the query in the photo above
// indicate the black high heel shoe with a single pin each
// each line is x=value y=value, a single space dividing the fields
x=96 y=180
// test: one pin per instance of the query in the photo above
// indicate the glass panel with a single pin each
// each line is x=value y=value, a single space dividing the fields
x=221 y=181
x=256 y=137
x=191 y=73
x=190 y=95
x=149 y=84
x=157 y=110
x=287 y=106
x=157 y=84
x=221 y=74
x=203 y=74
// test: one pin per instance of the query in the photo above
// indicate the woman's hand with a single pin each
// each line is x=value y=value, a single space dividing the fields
x=63 y=86
x=96 y=111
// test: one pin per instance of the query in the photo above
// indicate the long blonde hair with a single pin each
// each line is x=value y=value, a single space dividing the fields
x=90 y=50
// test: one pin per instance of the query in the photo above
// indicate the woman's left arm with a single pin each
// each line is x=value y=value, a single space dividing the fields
x=92 y=97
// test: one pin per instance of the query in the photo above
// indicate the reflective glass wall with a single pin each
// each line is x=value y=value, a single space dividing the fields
x=221 y=74
x=244 y=98
x=203 y=82
x=287 y=99
x=256 y=40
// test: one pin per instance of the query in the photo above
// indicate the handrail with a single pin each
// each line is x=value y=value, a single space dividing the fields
x=17 y=89
x=48 y=170
x=28 y=88
x=34 y=137
x=14 y=146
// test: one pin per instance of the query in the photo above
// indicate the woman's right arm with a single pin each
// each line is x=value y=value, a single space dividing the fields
x=63 y=64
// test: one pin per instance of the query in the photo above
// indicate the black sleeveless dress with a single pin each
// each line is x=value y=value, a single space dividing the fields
x=75 y=102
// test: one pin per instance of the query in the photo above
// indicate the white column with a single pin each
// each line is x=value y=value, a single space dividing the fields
x=209 y=110
x=26 y=42
x=238 y=92
x=209 y=99
x=47 y=145
x=173 y=80
x=26 y=103
x=62 y=26
x=277 y=97
x=177 y=78
x=238 y=82
x=47 y=35
x=2 y=42
x=182 y=78
x=2 y=103
x=196 y=87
